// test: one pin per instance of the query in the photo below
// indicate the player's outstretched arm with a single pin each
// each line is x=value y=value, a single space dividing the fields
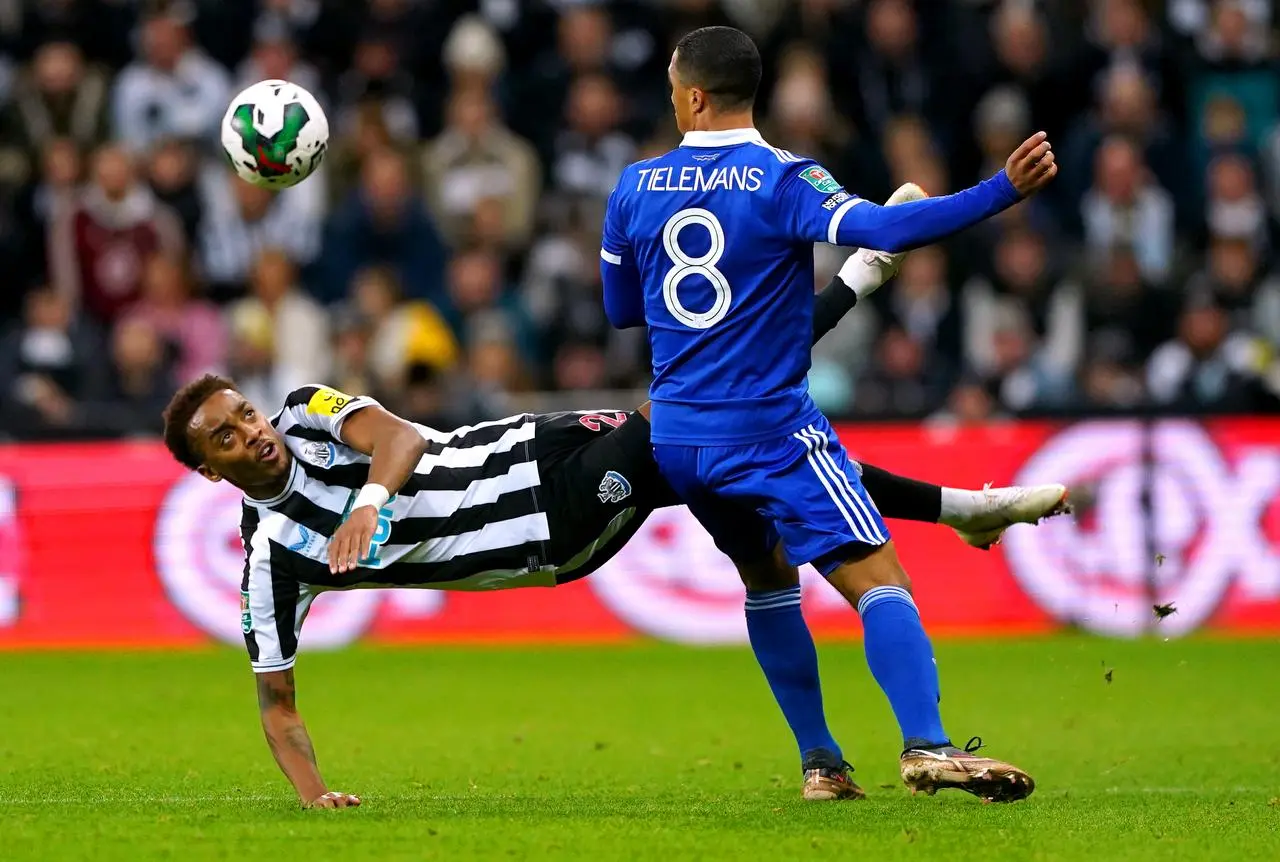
x=910 y=225
x=290 y=743
x=395 y=448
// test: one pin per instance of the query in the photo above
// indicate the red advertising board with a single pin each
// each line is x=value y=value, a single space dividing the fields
x=113 y=545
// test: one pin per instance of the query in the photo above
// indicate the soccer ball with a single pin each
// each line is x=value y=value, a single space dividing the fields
x=275 y=134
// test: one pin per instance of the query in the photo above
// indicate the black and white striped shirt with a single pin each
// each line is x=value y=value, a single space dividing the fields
x=470 y=517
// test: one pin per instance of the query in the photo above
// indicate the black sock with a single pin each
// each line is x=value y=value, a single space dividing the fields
x=902 y=498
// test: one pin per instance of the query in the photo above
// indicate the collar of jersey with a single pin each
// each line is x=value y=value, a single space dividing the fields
x=288 y=486
x=723 y=138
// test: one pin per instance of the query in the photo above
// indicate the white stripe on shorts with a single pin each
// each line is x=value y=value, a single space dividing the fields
x=859 y=505
x=813 y=463
x=838 y=488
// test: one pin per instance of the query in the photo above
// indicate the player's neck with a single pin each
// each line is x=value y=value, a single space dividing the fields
x=275 y=487
x=723 y=122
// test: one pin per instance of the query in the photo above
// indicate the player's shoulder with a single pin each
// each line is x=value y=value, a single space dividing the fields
x=627 y=178
x=315 y=398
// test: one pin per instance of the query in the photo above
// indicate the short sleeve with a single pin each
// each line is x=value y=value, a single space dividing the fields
x=811 y=203
x=320 y=409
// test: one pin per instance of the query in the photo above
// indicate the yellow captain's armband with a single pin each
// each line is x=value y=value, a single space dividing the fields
x=327 y=402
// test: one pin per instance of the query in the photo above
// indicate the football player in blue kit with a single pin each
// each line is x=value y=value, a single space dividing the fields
x=711 y=246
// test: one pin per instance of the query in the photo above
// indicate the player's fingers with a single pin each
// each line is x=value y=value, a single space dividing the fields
x=362 y=547
x=1037 y=154
x=1028 y=145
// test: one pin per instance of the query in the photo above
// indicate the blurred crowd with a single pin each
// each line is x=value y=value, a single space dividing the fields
x=445 y=258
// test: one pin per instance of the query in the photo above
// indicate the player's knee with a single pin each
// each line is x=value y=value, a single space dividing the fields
x=766 y=575
x=866 y=569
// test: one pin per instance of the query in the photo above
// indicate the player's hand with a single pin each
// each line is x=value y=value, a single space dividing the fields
x=334 y=799
x=350 y=543
x=1032 y=165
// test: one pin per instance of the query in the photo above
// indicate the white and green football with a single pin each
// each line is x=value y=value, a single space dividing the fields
x=275 y=134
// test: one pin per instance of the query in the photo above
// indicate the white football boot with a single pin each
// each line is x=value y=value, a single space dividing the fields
x=1000 y=508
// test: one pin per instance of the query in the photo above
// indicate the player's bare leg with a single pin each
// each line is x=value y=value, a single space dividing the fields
x=901 y=660
x=773 y=597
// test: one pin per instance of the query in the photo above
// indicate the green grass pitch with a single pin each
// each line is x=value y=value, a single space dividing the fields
x=637 y=753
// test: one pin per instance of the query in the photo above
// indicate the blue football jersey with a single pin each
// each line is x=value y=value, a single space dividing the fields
x=721 y=232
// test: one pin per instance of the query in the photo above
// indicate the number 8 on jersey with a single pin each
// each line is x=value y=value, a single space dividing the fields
x=704 y=265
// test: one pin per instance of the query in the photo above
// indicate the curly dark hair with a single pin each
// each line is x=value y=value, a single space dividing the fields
x=184 y=404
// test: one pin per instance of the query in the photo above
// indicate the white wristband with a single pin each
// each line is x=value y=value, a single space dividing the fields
x=371 y=495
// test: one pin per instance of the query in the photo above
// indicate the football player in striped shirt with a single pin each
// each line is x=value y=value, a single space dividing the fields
x=340 y=494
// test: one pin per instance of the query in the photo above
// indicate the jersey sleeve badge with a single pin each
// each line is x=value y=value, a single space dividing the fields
x=820 y=179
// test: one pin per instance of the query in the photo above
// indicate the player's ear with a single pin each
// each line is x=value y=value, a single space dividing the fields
x=209 y=473
x=697 y=100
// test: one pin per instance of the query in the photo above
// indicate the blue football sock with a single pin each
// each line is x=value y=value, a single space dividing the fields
x=784 y=649
x=901 y=659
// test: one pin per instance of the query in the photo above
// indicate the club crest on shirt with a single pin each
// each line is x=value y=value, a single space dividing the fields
x=319 y=452
x=614 y=488
x=821 y=180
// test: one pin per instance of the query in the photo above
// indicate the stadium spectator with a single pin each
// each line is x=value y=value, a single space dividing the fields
x=1025 y=305
x=275 y=56
x=59 y=97
x=1208 y=365
x=280 y=319
x=400 y=334
x=382 y=222
x=239 y=220
x=1127 y=107
x=191 y=329
x=480 y=302
x=920 y=304
x=1133 y=316
x=174 y=90
x=890 y=75
x=49 y=361
x=803 y=119
x=172 y=171
x=376 y=74
x=100 y=239
x=54 y=190
x=475 y=159
x=592 y=149
x=1125 y=205
x=138 y=386
x=1234 y=208
x=1235 y=277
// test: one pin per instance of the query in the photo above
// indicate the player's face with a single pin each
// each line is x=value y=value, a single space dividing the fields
x=683 y=99
x=237 y=443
